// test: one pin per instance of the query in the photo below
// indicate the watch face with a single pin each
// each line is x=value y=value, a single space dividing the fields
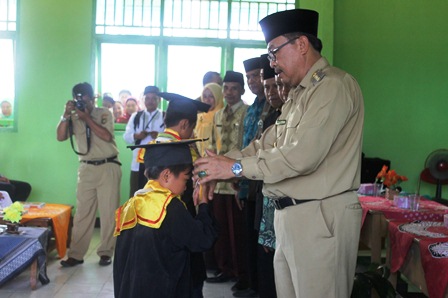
x=237 y=169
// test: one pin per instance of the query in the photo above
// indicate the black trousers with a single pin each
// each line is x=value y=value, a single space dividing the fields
x=17 y=190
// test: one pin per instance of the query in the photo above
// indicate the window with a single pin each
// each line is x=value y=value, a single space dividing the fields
x=178 y=41
x=8 y=24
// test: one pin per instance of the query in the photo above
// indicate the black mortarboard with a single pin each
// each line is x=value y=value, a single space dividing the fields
x=183 y=105
x=151 y=89
x=268 y=71
x=167 y=153
x=251 y=64
x=289 y=21
x=82 y=89
x=233 y=76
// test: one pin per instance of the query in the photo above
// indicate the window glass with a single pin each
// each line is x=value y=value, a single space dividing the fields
x=8 y=20
x=126 y=66
x=7 y=86
x=187 y=66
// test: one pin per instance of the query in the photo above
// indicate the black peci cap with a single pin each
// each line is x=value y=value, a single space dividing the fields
x=167 y=153
x=82 y=89
x=151 y=89
x=268 y=71
x=234 y=77
x=108 y=99
x=289 y=21
x=252 y=64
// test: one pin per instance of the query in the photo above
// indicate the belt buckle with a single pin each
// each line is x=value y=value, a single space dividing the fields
x=277 y=204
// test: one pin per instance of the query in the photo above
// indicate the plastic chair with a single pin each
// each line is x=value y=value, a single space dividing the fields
x=426 y=176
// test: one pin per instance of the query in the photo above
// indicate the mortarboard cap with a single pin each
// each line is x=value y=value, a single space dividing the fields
x=183 y=105
x=235 y=77
x=252 y=64
x=167 y=153
x=268 y=71
x=151 y=89
x=289 y=21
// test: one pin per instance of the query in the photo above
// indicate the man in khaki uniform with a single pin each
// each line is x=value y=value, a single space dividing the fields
x=309 y=162
x=228 y=126
x=99 y=173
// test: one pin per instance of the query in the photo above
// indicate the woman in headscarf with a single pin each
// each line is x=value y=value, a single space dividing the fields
x=211 y=95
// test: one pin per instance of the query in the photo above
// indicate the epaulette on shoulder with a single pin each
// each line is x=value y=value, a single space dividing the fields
x=317 y=76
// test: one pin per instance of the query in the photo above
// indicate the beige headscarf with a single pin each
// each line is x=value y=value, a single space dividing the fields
x=204 y=126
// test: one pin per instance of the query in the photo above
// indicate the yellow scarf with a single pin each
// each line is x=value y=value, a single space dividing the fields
x=166 y=136
x=147 y=207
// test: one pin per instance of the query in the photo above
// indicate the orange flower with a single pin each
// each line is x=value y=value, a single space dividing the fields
x=382 y=173
x=390 y=178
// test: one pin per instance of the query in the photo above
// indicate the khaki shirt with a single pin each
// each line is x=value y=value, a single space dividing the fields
x=314 y=149
x=231 y=135
x=99 y=149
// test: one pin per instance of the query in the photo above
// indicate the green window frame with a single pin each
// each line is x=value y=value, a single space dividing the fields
x=226 y=24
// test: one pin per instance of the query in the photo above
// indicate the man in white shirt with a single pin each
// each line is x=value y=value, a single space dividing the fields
x=143 y=127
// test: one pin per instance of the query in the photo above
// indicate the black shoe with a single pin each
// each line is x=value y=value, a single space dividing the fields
x=240 y=285
x=222 y=277
x=105 y=260
x=71 y=262
x=245 y=293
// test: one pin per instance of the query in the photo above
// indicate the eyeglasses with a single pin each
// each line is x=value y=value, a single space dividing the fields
x=271 y=53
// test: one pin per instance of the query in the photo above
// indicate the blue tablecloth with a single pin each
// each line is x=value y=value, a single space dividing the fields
x=17 y=252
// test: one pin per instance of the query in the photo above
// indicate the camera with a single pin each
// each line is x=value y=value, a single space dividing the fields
x=79 y=103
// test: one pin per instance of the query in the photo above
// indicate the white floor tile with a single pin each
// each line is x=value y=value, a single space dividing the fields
x=88 y=280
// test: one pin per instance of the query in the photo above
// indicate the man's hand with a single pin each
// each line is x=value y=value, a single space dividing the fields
x=141 y=135
x=83 y=115
x=4 y=179
x=69 y=108
x=154 y=134
x=212 y=167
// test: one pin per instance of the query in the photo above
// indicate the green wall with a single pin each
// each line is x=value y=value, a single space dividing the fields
x=54 y=53
x=396 y=50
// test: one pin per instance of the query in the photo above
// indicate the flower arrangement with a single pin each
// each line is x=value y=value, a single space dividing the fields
x=13 y=213
x=390 y=178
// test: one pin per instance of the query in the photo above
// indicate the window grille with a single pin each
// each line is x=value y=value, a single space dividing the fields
x=237 y=19
x=8 y=15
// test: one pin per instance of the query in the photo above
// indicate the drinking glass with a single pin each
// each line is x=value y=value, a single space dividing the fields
x=414 y=201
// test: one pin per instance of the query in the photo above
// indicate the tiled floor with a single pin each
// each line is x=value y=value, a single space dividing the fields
x=88 y=280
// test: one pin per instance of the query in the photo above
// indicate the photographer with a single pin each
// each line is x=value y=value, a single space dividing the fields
x=99 y=173
x=143 y=127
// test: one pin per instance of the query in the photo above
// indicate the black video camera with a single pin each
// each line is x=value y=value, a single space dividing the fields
x=79 y=103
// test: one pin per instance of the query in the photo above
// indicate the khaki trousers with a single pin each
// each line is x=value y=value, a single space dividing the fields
x=317 y=246
x=98 y=188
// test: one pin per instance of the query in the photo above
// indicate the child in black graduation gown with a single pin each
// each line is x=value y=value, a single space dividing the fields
x=156 y=233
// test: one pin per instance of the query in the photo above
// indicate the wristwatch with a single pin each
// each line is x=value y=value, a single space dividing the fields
x=63 y=119
x=237 y=169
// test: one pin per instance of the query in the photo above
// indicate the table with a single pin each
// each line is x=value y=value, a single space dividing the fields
x=18 y=252
x=419 y=250
x=55 y=216
x=377 y=210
